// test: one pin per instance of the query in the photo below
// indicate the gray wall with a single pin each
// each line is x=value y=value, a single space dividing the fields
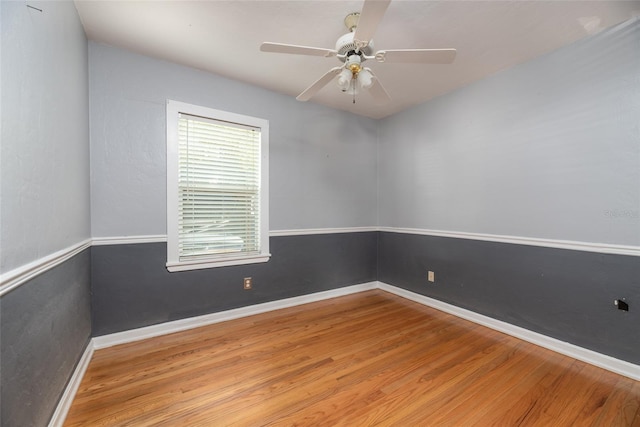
x=44 y=155
x=131 y=287
x=560 y=293
x=322 y=162
x=546 y=149
x=322 y=175
x=45 y=323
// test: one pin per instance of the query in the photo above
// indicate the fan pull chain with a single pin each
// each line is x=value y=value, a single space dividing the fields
x=354 y=90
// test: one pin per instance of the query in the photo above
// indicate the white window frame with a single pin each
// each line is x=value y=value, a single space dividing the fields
x=174 y=108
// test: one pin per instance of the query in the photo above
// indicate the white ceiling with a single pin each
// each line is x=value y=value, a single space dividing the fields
x=224 y=37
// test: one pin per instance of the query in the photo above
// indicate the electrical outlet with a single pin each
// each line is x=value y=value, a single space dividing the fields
x=621 y=304
x=431 y=276
x=248 y=283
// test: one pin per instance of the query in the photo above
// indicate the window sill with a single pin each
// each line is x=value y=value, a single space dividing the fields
x=201 y=264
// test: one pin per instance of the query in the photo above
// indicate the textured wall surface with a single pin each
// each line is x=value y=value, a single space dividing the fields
x=44 y=155
x=547 y=149
x=560 y=293
x=45 y=325
x=131 y=287
x=322 y=162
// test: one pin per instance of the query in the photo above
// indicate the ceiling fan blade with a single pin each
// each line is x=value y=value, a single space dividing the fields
x=370 y=16
x=296 y=50
x=377 y=91
x=422 y=56
x=319 y=84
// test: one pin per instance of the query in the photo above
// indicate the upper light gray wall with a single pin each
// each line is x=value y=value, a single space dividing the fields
x=547 y=149
x=322 y=161
x=44 y=154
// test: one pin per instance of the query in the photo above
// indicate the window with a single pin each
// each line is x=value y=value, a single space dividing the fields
x=217 y=188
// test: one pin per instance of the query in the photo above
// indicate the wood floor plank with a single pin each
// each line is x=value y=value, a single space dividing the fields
x=517 y=404
x=365 y=359
x=622 y=406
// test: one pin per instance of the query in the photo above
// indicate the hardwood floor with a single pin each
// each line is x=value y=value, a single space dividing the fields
x=360 y=360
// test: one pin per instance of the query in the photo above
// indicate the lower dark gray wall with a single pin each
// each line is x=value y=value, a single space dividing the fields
x=131 y=287
x=560 y=293
x=45 y=325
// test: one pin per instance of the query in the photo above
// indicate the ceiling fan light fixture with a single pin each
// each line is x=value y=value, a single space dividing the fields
x=365 y=79
x=344 y=79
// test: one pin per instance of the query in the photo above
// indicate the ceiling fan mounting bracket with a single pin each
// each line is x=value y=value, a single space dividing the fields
x=351 y=21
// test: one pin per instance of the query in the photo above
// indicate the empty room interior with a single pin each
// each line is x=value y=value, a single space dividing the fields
x=411 y=213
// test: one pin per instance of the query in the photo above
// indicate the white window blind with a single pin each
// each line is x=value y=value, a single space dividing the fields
x=219 y=191
x=219 y=187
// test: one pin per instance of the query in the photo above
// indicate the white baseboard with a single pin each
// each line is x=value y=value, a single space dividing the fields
x=208 y=319
x=609 y=363
x=133 y=335
x=589 y=356
x=72 y=387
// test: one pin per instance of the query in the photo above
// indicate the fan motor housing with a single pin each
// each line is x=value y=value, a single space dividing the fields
x=345 y=44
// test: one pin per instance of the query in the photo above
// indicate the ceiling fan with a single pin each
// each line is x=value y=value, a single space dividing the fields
x=356 y=47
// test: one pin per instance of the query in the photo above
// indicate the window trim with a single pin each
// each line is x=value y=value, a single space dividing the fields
x=173 y=108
